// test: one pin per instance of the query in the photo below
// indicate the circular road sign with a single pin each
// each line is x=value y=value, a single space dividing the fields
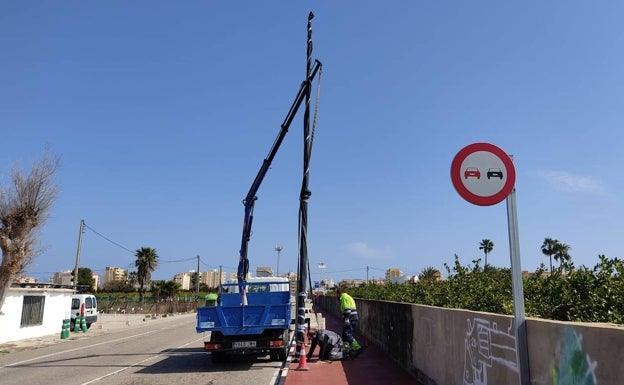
x=483 y=174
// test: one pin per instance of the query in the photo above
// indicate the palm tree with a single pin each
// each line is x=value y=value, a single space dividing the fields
x=132 y=278
x=429 y=274
x=146 y=262
x=487 y=246
x=562 y=253
x=549 y=248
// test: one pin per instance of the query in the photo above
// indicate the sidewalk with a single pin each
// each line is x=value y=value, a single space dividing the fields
x=372 y=366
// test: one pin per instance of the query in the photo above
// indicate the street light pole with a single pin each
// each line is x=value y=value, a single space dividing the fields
x=279 y=249
x=321 y=266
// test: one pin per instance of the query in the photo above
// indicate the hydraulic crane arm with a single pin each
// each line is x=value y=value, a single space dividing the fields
x=250 y=199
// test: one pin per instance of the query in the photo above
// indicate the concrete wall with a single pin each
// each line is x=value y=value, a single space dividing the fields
x=57 y=307
x=442 y=346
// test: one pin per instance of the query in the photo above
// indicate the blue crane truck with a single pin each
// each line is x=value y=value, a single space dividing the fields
x=261 y=327
x=253 y=315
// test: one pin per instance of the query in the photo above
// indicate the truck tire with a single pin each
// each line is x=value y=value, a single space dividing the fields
x=282 y=354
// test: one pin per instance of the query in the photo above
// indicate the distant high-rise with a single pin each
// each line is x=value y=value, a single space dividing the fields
x=64 y=277
x=184 y=279
x=212 y=278
x=394 y=275
x=112 y=274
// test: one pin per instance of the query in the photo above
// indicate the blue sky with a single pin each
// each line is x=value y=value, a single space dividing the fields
x=162 y=113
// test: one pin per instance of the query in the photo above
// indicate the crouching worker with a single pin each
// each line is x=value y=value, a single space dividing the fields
x=330 y=344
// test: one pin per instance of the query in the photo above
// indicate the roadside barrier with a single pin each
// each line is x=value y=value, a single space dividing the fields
x=65 y=329
x=77 y=325
x=83 y=324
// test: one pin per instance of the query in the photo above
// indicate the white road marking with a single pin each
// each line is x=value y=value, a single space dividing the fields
x=135 y=364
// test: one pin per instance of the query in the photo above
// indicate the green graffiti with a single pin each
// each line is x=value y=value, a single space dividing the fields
x=573 y=367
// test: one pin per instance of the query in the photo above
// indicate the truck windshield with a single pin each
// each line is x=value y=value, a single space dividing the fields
x=257 y=287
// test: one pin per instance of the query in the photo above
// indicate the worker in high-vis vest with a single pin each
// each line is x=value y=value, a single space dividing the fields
x=350 y=318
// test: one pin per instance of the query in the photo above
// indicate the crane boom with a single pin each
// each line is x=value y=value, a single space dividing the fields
x=250 y=199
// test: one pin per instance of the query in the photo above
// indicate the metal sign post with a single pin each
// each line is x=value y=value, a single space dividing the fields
x=485 y=175
x=522 y=351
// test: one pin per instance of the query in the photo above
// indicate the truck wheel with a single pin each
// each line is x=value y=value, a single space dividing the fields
x=282 y=353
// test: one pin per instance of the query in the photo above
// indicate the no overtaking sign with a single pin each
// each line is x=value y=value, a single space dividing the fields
x=483 y=174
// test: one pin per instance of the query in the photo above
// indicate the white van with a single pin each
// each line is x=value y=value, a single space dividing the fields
x=85 y=303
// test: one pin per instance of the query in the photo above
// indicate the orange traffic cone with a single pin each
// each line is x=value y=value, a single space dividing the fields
x=303 y=360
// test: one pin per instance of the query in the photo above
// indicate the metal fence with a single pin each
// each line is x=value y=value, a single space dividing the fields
x=132 y=305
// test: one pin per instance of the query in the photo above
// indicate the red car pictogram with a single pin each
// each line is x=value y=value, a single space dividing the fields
x=472 y=172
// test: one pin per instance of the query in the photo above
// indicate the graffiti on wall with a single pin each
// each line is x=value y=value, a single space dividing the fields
x=485 y=346
x=572 y=365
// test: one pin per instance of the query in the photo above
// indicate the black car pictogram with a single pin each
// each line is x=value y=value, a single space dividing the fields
x=494 y=173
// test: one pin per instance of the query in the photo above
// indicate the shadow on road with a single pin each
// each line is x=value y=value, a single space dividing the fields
x=192 y=360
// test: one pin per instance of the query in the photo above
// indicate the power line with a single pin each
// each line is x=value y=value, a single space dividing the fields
x=132 y=252
x=160 y=261
x=108 y=239
x=177 y=260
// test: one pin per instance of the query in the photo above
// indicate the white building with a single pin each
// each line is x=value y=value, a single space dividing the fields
x=184 y=279
x=32 y=311
x=64 y=277
x=212 y=278
x=114 y=274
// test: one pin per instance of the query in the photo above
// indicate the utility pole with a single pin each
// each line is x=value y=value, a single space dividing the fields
x=220 y=281
x=366 y=274
x=78 y=254
x=197 y=280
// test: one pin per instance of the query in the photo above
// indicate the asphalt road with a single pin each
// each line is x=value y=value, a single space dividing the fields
x=163 y=351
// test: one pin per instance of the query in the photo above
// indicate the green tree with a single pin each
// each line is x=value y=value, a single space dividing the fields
x=156 y=289
x=164 y=289
x=565 y=294
x=170 y=289
x=24 y=207
x=194 y=280
x=487 y=246
x=146 y=262
x=429 y=274
x=85 y=278
x=133 y=278
x=549 y=248
x=117 y=287
x=562 y=253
